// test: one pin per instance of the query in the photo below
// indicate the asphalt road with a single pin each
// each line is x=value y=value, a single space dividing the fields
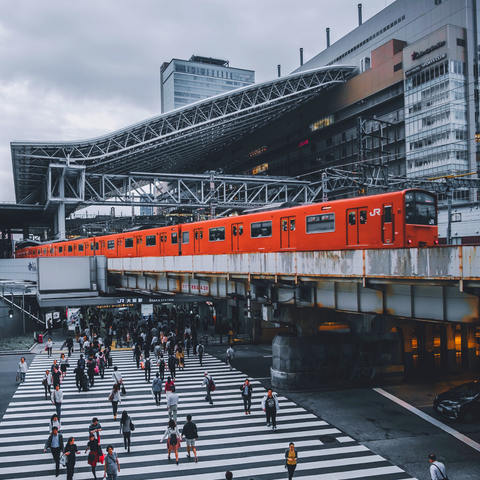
x=388 y=429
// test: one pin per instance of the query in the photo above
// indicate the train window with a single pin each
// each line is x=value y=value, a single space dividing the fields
x=216 y=234
x=234 y=231
x=150 y=240
x=185 y=237
x=321 y=223
x=60 y=249
x=174 y=238
x=420 y=209
x=292 y=224
x=129 y=242
x=284 y=225
x=80 y=247
x=261 y=229
x=351 y=218
x=388 y=214
x=111 y=244
x=69 y=248
x=240 y=230
x=363 y=217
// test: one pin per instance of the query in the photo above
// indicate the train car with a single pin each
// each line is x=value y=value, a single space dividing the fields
x=391 y=220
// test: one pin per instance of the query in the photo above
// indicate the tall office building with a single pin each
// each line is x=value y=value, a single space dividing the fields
x=187 y=81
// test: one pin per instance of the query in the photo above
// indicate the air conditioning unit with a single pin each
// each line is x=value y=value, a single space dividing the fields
x=364 y=64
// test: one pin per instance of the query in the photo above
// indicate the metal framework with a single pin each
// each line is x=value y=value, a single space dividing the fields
x=173 y=142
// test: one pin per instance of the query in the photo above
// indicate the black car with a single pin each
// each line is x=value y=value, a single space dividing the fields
x=460 y=403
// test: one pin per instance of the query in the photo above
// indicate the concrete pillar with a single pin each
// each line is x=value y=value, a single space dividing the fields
x=468 y=347
x=407 y=345
x=451 y=362
x=429 y=354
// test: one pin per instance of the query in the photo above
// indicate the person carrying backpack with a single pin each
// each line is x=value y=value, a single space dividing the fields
x=210 y=384
x=173 y=438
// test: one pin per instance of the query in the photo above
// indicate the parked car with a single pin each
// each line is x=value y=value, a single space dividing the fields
x=460 y=403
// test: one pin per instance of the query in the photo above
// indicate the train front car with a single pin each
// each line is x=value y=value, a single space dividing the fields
x=421 y=221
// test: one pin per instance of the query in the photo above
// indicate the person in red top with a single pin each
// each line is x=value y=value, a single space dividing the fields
x=168 y=386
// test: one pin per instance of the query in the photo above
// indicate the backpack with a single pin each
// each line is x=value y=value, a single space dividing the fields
x=211 y=384
x=173 y=439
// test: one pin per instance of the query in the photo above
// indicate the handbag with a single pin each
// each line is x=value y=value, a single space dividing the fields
x=63 y=459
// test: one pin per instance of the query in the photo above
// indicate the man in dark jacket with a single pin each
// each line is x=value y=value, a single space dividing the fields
x=246 y=389
x=190 y=432
x=55 y=444
x=69 y=344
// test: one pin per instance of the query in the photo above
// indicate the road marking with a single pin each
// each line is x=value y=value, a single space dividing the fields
x=430 y=419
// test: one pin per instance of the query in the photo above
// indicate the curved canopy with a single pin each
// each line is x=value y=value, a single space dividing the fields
x=174 y=141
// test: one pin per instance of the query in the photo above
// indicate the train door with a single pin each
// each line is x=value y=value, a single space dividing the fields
x=197 y=240
x=288 y=232
x=237 y=233
x=388 y=228
x=357 y=226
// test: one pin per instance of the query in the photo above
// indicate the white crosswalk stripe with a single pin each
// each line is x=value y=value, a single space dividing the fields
x=228 y=439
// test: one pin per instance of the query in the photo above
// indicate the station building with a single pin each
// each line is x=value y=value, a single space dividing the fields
x=416 y=87
x=183 y=82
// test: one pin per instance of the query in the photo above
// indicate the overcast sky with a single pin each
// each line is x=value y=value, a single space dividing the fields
x=76 y=70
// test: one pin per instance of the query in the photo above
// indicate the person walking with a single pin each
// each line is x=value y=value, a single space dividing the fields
x=63 y=365
x=126 y=427
x=291 y=456
x=230 y=356
x=114 y=397
x=172 y=404
x=47 y=383
x=117 y=376
x=54 y=422
x=172 y=365
x=161 y=366
x=69 y=344
x=247 y=390
x=173 y=438
x=270 y=407
x=71 y=451
x=148 y=368
x=157 y=389
x=112 y=465
x=57 y=399
x=190 y=433
x=437 y=469
x=168 y=386
x=95 y=453
x=49 y=347
x=95 y=428
x=210 y=384
x=55 y=444
x=200 y=350
x=22 y=369
x=180 y=356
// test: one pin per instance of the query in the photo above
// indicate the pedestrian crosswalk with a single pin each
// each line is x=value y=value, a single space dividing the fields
x=228 y=439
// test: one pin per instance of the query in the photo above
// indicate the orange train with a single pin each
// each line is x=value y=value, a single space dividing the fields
x=400 y=219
